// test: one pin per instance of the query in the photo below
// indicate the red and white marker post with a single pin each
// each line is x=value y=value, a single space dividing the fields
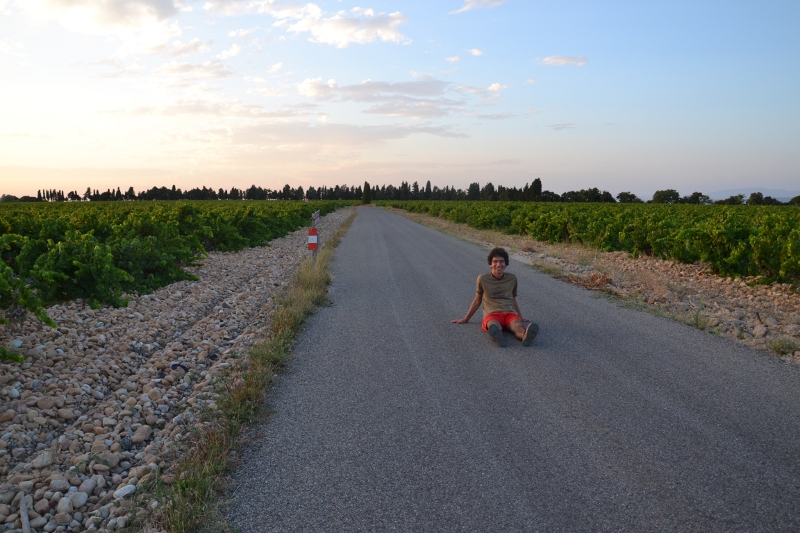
x=313 y=236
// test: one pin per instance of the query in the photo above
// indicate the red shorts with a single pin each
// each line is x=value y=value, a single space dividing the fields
x=504 y=318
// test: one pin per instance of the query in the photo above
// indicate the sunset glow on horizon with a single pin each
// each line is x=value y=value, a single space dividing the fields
x=695 y=96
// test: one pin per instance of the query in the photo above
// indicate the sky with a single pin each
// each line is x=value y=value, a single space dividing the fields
x=620 y=95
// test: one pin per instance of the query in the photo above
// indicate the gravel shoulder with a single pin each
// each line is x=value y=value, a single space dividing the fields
x=765 y=317
x=106 y=400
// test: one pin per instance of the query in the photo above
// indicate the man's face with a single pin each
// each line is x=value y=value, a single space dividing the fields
x=498 y=266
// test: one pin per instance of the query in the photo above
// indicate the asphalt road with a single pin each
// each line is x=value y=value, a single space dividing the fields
x=391 y=418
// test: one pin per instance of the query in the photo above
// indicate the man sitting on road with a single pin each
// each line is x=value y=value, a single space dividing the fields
x=497 y=290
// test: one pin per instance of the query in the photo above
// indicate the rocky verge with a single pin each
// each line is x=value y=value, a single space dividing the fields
x=102 y=403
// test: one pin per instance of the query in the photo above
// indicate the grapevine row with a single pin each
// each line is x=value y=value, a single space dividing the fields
x=103 y=250
x=734 y=240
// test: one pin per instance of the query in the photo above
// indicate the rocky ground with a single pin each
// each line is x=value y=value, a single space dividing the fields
x=102 y=403
x=762 y=316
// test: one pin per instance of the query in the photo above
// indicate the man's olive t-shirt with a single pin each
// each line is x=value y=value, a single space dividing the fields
x=497 y=294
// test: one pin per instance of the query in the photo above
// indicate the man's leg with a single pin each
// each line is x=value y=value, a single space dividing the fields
x=525 y=334
x=496 y=332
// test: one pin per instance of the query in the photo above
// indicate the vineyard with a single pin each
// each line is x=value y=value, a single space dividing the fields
x=734 y=240
x=102 y=250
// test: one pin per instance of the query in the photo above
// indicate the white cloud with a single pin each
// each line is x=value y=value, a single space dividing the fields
x=12 y=49
x=142 y=26
x=560 y=61
x=240 y=33
x=275 y=68
x=475 y=52
x=489 y=93
x=195 y=46
x=564 y=126
x=454 y=59
x=268 y=92
x=233 y=50
x=370 y=91
x=106 y=14
x=214 y=108
x=342 y=31
x=314 y=88
x=496 y=116
x=209 y=69
x=324 y=134
x=478 y=4
x=357 y=26
x=423 y=99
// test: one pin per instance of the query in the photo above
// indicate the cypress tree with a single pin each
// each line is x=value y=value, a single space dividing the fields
x=366 y=196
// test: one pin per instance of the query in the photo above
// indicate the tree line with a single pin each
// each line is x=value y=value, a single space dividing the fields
x=529 y=193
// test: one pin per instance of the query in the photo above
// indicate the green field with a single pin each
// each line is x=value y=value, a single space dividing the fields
x=734 y=240
x=102 y=250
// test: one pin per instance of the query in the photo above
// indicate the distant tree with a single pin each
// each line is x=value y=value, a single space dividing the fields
x=549 y=196
x=695 y=198
x=756 y=198
x=588 y=195
x=404 y=191
x=737 y=199
x=536 y=189
x=366 y=196
x=427 y=194
x=794 y=201
x=474 y=191
x=415 y=191
x=628 y=198
x=667 y=196
x=769 y=200
x=606 y=197
x=29 y=199
x=8 y=198
x=488 y=192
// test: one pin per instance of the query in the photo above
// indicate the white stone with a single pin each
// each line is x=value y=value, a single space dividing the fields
x=59 y=485
x=78 y=499
x=43 y=460
x=88 y=486
x=64 y=505
x=124 y=491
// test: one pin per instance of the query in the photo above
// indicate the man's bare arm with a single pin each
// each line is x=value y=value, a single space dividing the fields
x=476 y=303
x=516 y=308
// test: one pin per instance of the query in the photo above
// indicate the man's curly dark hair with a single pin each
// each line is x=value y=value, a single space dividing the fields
x=498 y=252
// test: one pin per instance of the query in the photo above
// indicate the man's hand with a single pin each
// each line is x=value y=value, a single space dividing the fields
x=460 y=321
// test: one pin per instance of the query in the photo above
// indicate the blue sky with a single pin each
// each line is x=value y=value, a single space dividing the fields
x=617 y=95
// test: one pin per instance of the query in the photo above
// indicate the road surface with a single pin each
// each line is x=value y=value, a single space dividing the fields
x=391 y=418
